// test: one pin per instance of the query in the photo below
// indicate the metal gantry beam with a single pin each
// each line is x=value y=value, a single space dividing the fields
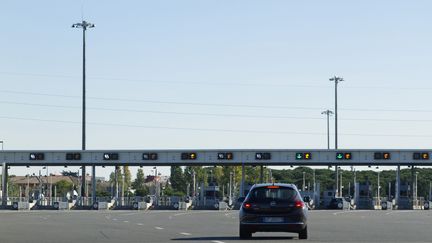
x=217 y=157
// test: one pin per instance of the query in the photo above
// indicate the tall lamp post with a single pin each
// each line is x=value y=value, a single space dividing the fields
x=336 y=80
x=378 y=188
x=84 y=26
x=328 y=113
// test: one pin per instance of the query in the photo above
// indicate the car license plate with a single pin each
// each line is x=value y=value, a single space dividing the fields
x=272 y=219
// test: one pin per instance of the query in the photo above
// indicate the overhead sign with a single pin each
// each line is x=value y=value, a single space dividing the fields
x=217 y=157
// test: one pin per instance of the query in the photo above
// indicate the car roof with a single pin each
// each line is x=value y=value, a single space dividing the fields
x=274 y=184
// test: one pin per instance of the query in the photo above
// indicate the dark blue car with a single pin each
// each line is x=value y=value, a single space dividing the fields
x=273 y=208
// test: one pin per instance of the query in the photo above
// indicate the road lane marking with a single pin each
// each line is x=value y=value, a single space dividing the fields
x=351 y=211
x=125 y=221
x=139 y=224
x=196 y=212
x=217 y=241
x=129 y=214
x=393 y=212
x=184 y=233
x=159 y=228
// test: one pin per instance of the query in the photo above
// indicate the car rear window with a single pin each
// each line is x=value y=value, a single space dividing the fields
x=273 y=193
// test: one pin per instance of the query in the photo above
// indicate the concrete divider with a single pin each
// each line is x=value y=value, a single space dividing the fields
x=386 y=205
x=21 y=205
x=103 y=205
x=63 y=205
x=223 y=206
x=141 y=205
x=426 y=205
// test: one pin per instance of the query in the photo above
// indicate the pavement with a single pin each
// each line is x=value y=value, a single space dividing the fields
x=206 y=226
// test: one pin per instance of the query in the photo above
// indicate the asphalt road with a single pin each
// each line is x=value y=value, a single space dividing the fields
x=206 y=226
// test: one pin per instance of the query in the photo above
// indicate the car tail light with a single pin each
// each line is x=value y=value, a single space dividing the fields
x=299 y=204
x=247 y=205
x=273 y=187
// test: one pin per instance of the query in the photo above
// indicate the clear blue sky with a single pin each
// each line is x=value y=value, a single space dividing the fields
x=215 y=74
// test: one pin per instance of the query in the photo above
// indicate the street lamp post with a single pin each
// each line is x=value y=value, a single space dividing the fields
x=328 y=113
x=336 y=80
x=378 y=189
x=84 y=26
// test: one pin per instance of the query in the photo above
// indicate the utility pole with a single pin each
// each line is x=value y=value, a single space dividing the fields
x=336 y=80
x=84 y=26
x=328 y=113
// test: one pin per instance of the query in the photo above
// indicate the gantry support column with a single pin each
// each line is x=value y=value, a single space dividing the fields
x=83 y=185
x=337 y=180
x=397 y=186
x=93 y=184
x=116 y=185
x=4 y=184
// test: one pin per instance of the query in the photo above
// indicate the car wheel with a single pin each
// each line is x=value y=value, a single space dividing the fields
x=244 y=233
x=303 y=235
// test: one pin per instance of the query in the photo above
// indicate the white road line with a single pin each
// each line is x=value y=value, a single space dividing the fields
x=129 y=214
x=139 y=224
x=184 y=233
x=351 y=211
x=217 y=241
x=393 y=212
x=159 y=228
x=125 y=221
x=196 y=212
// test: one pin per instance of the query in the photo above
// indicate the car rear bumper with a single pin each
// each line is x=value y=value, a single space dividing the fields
x=274 y=227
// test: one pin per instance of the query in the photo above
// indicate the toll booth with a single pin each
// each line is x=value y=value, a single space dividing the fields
x=404 y=196
x=363 y=196
x=314 y=196
x=209 y=197
x=327 y=198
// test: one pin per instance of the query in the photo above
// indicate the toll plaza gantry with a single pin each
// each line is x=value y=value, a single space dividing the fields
x=212 y=157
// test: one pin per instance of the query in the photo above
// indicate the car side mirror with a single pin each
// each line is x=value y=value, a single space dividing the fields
x=241 y=199
x=306 y=199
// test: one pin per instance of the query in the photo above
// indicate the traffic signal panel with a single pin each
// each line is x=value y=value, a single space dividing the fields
x=343 y=156
x=150 y=156
x=37 y=156
x=303 y=156
x=188 y=156
x=111 y=156
x=263 y=156
x=225 y=156
x=73 y=156
x=421 y=156
x=382 y=156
